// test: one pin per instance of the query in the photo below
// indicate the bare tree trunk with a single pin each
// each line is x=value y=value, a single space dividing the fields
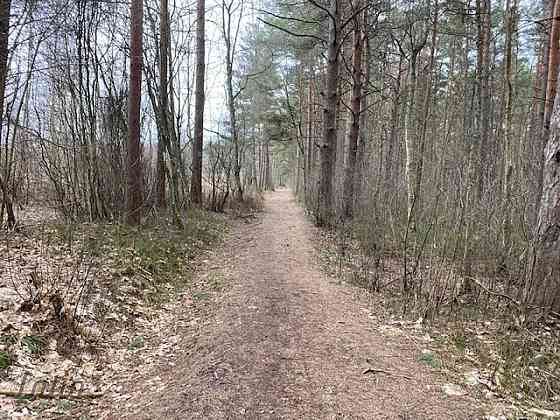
x=230 y=38
x=196 y=180
x=544 y=285
x=134 y=163
x=169 y=134
x=427 y=103
x=310 y=142
x=552 y=62
x=325 y=196
x=163 y=138
x=354 y=129
x=5 y=7
x=410 y=126
x=160 y=176
x=269 y=185
x=536 y=148
x=410 y=137
x=508 y=143
x=484 y=92
x=393 y=134
x=364 y=129
x=299 y=168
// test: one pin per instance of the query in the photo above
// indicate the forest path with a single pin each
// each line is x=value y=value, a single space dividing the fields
x=285 y=341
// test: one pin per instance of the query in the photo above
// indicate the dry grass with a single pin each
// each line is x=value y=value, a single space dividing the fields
x=478 y=329
x=76 y=293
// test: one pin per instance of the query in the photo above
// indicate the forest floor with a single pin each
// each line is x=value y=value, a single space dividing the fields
x=279 y=339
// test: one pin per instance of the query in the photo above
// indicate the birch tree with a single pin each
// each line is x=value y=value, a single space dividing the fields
x=232 y=13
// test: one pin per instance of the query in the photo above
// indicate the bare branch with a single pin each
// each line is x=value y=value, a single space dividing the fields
x=290 y=32
x=310 y=22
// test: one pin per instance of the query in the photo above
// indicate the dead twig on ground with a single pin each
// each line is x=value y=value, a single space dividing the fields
x=373 y=370
x=493 y=293
x=46 y=395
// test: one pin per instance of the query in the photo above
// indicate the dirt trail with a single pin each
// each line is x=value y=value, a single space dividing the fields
x=286 y=342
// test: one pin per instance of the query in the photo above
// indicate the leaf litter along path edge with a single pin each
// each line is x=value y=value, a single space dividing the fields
x=282 y=341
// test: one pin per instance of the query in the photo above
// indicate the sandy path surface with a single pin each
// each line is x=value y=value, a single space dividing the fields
x=284 y=341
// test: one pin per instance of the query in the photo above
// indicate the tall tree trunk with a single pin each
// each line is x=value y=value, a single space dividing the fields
x=410 y=127
x=230 y=40
x=310 y=142
x=508 y=119
x=543 y=287
x=535 y=177
x=552 y=63
x=134 y=157
x=160 y=175
x=355 y=108
x=483 y=70
x=234 y=134
x=164 y=137
x=544 y=284
x=410 y=137
x=254 y=174
x=427 y=102
x=329 y=142
x=169 y=134
x=393 y=133
x=299 y=169
x=364 y=129
x=269 y=185
x=196 y=180
x=5 y=7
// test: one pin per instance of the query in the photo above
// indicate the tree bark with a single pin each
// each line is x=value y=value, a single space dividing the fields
x=508 y=143
x=410 y=138
x=5 y=7
x=269 y=185
x=485 y=33
x=364 y=128
x=329 y=141
x=134 y=157
x=543 y=283
x=231 y=44
x=544 y=287
x=427 y=102
x=196 y=180
x=393 y=133
x=310 y=142
x=410 y=127
x=551 y=64
x=355 y=110
x=164 y=137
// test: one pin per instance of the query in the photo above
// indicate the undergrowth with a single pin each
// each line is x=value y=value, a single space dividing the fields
x=97 y=274
x=475 y=329
x=155 y=258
